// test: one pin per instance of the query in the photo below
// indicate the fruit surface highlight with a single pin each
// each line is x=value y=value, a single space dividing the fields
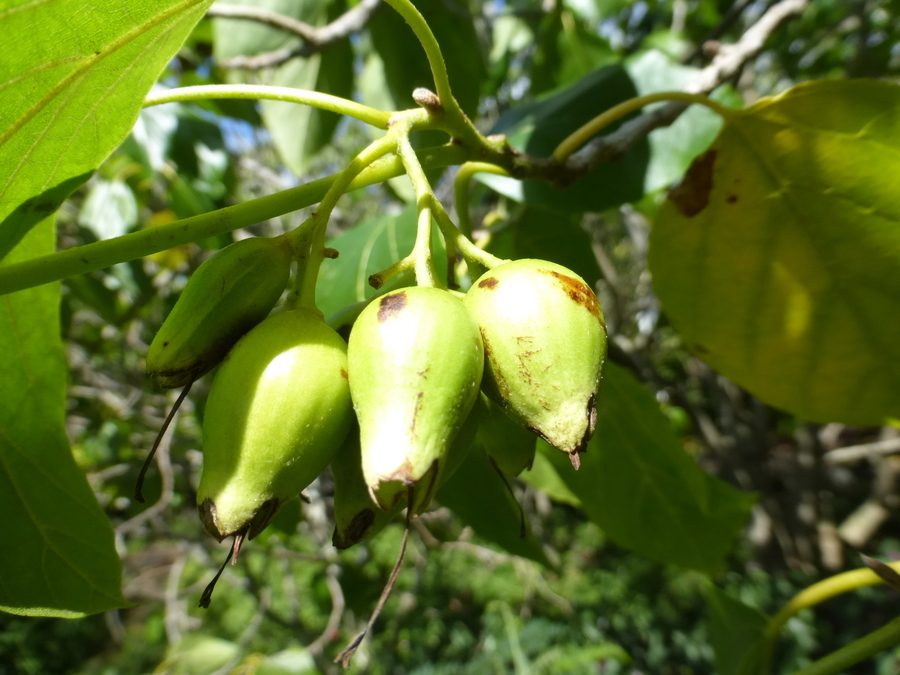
x=278 y=410
x=416 y=362
x=545 y=344
x=228 y=294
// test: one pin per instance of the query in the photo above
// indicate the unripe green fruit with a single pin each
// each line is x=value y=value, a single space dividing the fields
x=278 y=410
x=415 y=367
x=228 y=294
x=356 y=517
x=545 y=343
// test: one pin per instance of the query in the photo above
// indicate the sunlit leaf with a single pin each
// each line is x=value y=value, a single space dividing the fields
x=109 y=209
x=62 y=560
x=777 y=258
x=640 y=486
x=71 y=95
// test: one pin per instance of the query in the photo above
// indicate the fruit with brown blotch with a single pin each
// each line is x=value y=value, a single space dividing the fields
x=545 y=344
x=416 y=361
x=229 y=293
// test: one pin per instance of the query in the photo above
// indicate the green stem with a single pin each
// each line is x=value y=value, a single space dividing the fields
x=856 y=652
x=319 y=221
x=814 y=595
x=461 y=186
x=581 y=135
x=420 y=27
x=457 y=124
x=426 y=274
x=98 y=255
x=457 y=239
x=342 y=106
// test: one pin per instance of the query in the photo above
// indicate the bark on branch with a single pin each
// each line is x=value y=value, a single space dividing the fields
x=314 y=39
x=726 y=64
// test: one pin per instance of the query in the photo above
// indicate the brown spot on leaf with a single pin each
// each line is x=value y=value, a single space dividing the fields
x=691 y=195
x=391 y=305
x=489 y=283
x=578 y=291
x=732 y=199
x=344 y=374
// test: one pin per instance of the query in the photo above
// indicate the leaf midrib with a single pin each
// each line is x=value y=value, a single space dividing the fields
x=90 y=61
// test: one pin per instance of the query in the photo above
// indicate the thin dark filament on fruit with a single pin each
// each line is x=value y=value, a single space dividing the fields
x=345 y=656
x=206 y=597
x=139 y=485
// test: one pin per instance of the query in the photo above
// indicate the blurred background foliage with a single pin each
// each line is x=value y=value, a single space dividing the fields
x=462 y=605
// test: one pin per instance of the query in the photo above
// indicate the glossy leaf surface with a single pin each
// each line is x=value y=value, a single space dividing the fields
x=70 y=95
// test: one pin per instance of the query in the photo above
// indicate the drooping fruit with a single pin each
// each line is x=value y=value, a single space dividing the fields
x=415 y=367
x=278 y=410
x=545 y=344
x=228 y=294
x=357 y=517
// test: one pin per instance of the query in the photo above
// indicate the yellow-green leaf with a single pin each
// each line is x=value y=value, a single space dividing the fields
x=778 y=257
x=72 y=78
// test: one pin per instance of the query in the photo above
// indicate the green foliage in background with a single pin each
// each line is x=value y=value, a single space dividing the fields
x=745 y=256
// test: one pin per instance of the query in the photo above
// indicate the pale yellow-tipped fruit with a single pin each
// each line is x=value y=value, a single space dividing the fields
x=278 y=410
x=228 y=294
x=545 y=344
x=415 y=367
x=357 y=517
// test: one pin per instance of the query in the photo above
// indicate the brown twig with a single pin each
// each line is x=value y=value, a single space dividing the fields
x=724 y=66
x=314 y=39
x=164 y=463
x=332 y=628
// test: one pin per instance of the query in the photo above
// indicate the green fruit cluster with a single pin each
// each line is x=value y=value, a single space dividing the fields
x=393 y=412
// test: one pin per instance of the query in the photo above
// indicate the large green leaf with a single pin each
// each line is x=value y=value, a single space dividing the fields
x=478 y=494
x=639 y=485
x=299 y=132
x=538 y=127
x=72 y=78
x=777 y=258
x=61 y=559
x=736 y=633
x=364 y=250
